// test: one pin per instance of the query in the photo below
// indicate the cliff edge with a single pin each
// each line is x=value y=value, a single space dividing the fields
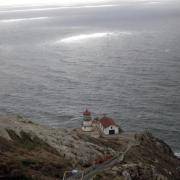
x=32 y=151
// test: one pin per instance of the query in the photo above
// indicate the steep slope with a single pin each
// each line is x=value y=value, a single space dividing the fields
x=32 y=151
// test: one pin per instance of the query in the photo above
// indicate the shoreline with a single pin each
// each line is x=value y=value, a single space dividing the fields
x=177 y=154
x=33 y=149
x=16 y=116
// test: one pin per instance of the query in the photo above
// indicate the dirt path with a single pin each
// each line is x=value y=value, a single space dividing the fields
x=117 y=159
x=89 y=173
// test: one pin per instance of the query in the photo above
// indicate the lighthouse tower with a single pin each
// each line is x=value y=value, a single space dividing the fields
x=87 y=121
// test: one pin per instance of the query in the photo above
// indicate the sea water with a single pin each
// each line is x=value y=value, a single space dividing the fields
x=118 y=59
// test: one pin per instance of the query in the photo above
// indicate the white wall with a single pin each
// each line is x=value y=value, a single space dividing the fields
x=106 y=130
x=87 y=128
x=87 y=123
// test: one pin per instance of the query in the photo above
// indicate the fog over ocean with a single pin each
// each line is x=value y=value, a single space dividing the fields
x=113 y=57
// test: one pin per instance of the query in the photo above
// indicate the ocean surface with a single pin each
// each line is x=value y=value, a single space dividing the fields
x=118 y=59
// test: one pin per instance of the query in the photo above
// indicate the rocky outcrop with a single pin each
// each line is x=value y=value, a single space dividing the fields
x=150 y=159
x=32 y=151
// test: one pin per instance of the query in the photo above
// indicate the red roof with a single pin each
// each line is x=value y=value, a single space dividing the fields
x=86 y=113
x=106 y=122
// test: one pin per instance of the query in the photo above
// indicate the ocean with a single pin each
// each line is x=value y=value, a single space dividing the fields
x=118 y=59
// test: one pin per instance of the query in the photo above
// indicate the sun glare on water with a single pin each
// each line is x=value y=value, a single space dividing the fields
x=82 y=37
x=22 y=19
x=66 y=2
x=49 y=2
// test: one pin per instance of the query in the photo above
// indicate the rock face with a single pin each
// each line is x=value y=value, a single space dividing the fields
x=32 y=151
x=150 y=159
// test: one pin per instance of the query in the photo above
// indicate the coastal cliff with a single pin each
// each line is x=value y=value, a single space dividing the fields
x=32 y=151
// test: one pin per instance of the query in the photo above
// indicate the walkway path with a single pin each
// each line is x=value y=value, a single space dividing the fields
x=90 y=172
x=117 y=159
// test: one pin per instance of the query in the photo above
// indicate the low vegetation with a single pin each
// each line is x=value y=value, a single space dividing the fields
x=29 y=157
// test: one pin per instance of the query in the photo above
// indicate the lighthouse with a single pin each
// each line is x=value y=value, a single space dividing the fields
x=87 y=121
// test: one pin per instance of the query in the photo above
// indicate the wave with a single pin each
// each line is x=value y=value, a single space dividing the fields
x=57 y=8
x=22 y=19
x=177 y=154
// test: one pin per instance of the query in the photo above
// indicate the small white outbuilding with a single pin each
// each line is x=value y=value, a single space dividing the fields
x=108 y=126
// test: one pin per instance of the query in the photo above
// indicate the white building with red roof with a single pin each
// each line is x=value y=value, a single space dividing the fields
x=108 y=126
